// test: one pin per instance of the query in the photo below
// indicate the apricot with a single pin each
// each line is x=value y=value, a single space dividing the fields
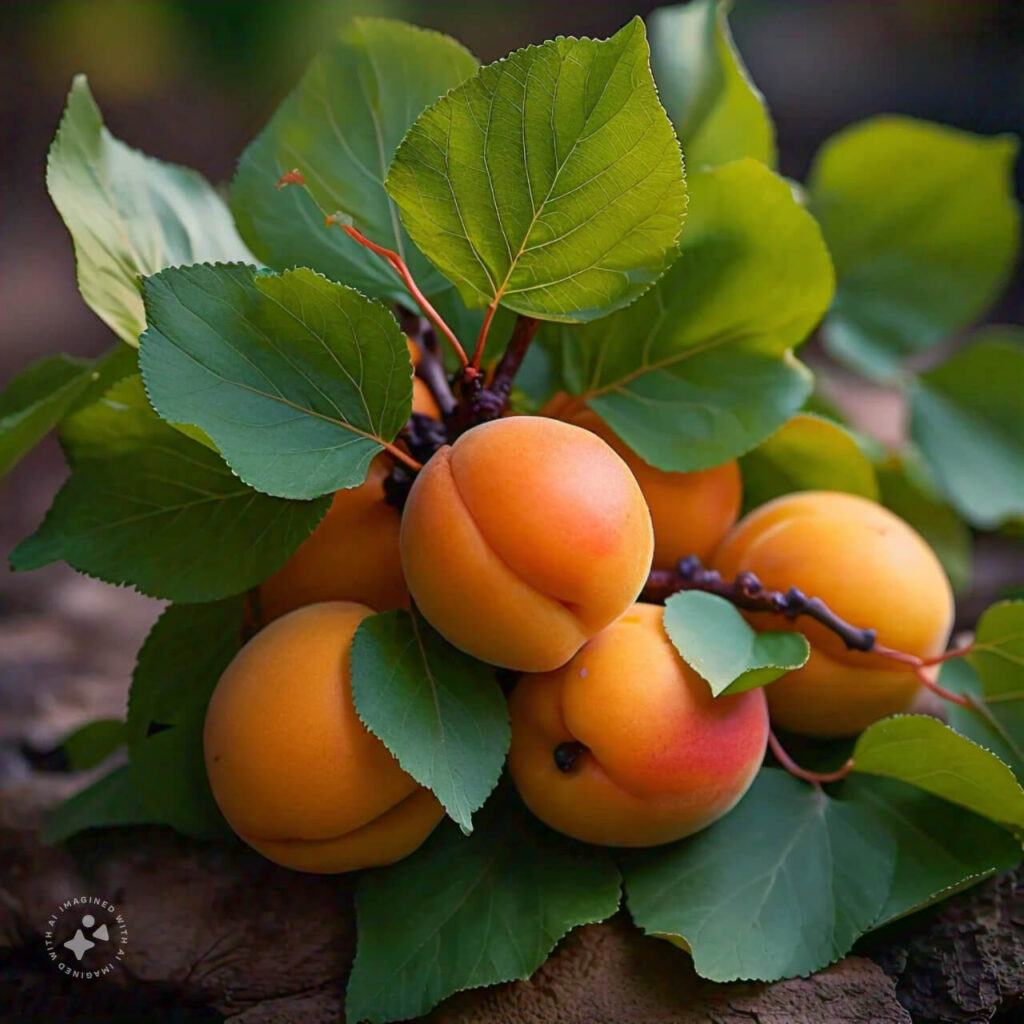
x=661 y=757
x=871 y=569
x=691 y=512
x=524 y=539
x=353 y=554
x=294 y=771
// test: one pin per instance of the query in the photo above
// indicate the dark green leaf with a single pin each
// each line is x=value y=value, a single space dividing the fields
x=129 y=215
x=463 y=912
x=718 y=112
x=928 y=754
x=907 y=492
x=918 y=253
x=39 y=397
x=94 y=742
x=147 y=505
x=712 y=637
x=111 y=800
x=440 y=712
x=550 y=182
x=781 y=886
x=699 y=370
x=808 y=453
x=967 y=417
x=298 y=381
x=940 y=849
x=340 y=128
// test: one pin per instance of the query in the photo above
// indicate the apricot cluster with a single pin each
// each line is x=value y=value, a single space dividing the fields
x=525 y=543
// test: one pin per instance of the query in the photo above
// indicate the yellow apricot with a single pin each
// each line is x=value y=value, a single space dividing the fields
x=523 y=539
x=294 y=771
x=691 y=512
x=663 y=758
x=871 y=569
x=352 y=555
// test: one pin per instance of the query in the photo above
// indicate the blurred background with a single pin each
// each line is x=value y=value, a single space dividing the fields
x=192 y=81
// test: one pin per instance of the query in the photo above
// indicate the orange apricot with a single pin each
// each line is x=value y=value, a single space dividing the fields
x=871 y=569
x=523 y=539
x=661 y=757
x=294 y=771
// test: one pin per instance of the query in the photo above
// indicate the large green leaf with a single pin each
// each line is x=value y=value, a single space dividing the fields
x=718 y=111
x=940 y=848
x=92 y=743
x=40 y=396
x=781 y=886
x=463 y=912
x=808 y=453
x=440 y=712
x=923 y=228
x=906 y=490
x=149 y=506
x=129 y=215
x=967 y=417
x=299 y=381
x=712 y=637
x=550 y=182
x=699 y=370
x=110 y=801
x=928 y=754
x=340 y=128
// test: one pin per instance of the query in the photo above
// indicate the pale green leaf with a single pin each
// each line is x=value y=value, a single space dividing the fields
x=129 y=215
x=924 y=230
x=299 y=381
x=340 y=129
x=718 y=111
x=550 y=182
x=110 y=801
x=716 y=641
x=440 y=712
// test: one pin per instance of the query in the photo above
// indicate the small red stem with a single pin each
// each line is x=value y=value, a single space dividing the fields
x=396 y=453
x=940 y=691
x=957 y=652
x=919 y=665
x=803 y=773
x=481 y=338
x=398 y=265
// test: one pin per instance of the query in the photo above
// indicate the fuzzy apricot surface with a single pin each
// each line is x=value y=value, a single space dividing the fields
x=524 y=539
x=292 y=768
x=663 y=757
x=872 y=569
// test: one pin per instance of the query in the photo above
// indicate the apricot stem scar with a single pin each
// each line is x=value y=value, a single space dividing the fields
x=566 y=754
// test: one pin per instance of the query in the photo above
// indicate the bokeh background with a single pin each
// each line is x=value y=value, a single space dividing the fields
x=192 y=81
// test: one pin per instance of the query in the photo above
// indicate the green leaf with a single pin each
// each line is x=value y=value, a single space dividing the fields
x=147 y=505
x=40 y=396
x=808 y=453
x=781 y=886
x=340 y=128
x=718 y=112
x=551 y=182
x=924 y=229
x=699 y=370
x=180 y=663
x=712 y=637
x=440 y=712
x=129 y=215
x=464 y=912
x=967 y=417
x=299 y=381
x=906 y=491
x=93 y=743
x=940 y=848
x=111 y=800
x=928 y=754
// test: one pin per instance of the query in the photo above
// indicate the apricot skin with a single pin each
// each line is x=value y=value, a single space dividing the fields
x=664 y=758
x=352 y=555
x=871 y=569
x=691 y=512
x=292 y=768
x=524 y=539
